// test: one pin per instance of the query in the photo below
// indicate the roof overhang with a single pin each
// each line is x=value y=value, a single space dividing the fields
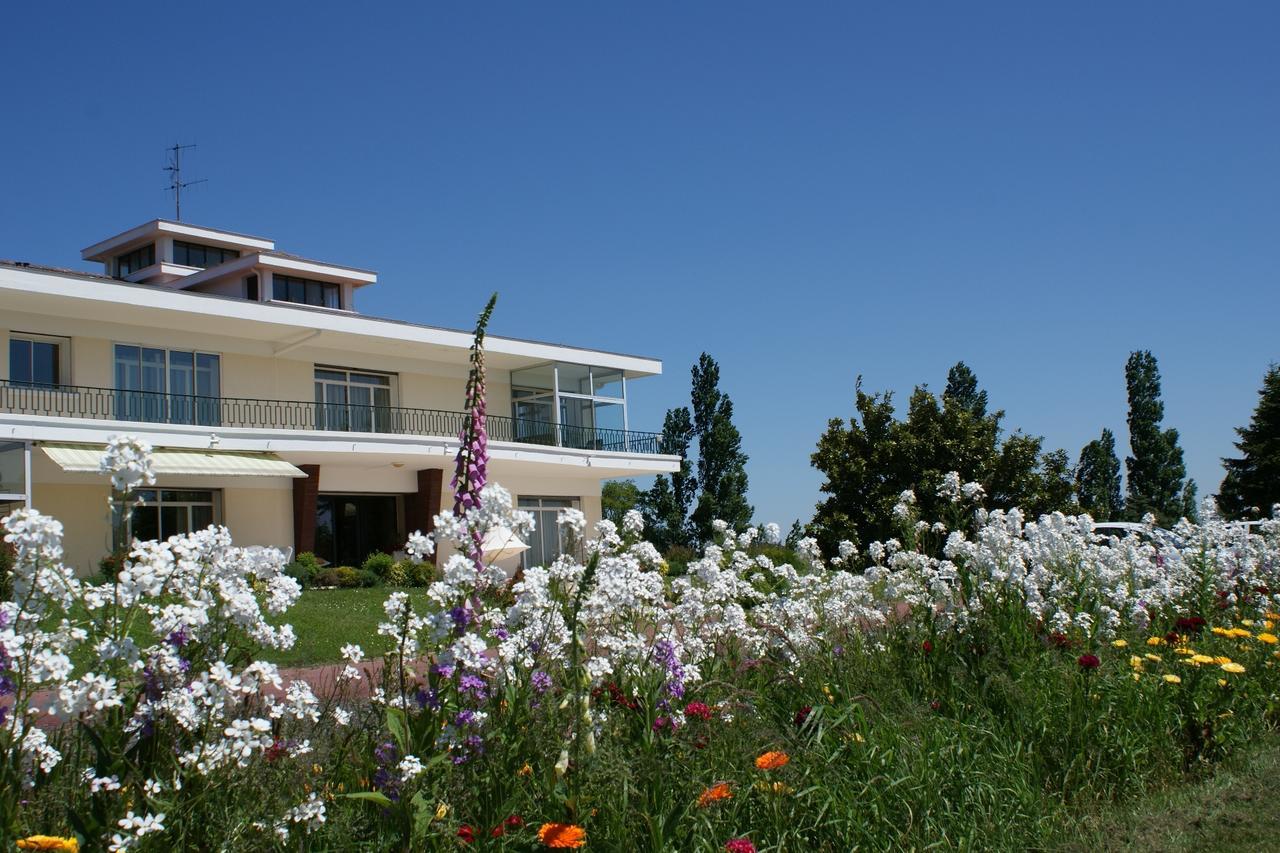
x=269 y=327
x=283 y=264
x=150 y=230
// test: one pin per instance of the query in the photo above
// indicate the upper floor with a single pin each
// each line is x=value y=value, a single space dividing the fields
x=167 y=348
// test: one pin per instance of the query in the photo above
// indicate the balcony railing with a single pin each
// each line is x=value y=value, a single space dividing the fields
x=152 y=407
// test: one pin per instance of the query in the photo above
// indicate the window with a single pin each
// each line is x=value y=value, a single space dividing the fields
x=167 y=386
x=352 y=400
x=15 y=461
x=37 y=360
x=143 y=256
x=170 y=512
x=546 y=542
x=304 y=291
x=200 y=255
x=570 y=405
x=251 y=288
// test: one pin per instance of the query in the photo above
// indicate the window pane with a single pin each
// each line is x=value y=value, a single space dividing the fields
x=13 y=468
x=607 y=383
x=19 y=360
x=173 y=520
x=575 y=379
x=331 y=296
x=297 y=290
x=146 y=523
x=186 y=496
x=279 y=289
x=331 y=375
x=539 y=378
x=208 y=375
x=201 y=517
x=370 y=379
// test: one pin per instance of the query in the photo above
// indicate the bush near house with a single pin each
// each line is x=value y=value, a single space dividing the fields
x=378 y=563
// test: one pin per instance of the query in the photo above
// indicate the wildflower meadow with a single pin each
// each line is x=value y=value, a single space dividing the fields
x=973 y=683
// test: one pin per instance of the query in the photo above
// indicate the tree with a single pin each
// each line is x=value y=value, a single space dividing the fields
x=666 y=504
x=1252 y=484
x=870 y=460
x=1098 y=479
x=719 y=488
x=1157 y=481
x=617 y=497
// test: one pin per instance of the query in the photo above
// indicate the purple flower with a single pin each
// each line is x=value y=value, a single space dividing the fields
x=470 y=472
x=474 y=685
x=462 y=617
x=465 y=717
x=501 y=633
x=540 y=681
x=427 y=699
x=178 y=638
x=664 y=654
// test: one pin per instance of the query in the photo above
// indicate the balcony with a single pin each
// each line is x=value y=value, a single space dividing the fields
x=149 y=407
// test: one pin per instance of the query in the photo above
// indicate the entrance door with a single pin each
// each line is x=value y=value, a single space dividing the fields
x=350 y=527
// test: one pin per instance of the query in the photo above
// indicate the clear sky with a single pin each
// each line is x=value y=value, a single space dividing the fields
x=807 y=191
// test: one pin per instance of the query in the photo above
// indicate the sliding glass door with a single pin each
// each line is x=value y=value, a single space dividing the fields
x=167 y=386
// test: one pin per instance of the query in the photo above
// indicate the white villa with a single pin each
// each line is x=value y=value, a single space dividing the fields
x=277 y=409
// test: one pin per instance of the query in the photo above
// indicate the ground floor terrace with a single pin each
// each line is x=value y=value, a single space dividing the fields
x=340 y=497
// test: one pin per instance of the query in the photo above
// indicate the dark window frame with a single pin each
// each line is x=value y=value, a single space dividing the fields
x=138 y=259
x=201 y=254
x=306 y=291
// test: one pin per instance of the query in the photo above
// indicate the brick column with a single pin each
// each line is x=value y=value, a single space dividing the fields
x=421 y=507
x=304 y=509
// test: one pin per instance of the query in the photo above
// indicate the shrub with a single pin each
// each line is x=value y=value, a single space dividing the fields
x=678 y=558
x=109 y=566
x=421 y=574
x=378 y=563
x=366 y=578
x=345 y=577
x=304 y=569
x=396 y=575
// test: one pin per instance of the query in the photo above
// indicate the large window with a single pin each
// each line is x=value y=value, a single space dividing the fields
x=37 y=360
x=170 y=512
x=546 y=542
x=167 y=386
x=352 y=400
x=570 y=405
x=305 y=291
x=143 y=256
x=200 y=255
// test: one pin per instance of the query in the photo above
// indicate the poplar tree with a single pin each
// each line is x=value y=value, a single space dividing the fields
x=1157 y=477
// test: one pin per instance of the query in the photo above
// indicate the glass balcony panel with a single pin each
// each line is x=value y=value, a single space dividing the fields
x=574 y=378
x=540 y=378
x=13 y=468
x=607 y=383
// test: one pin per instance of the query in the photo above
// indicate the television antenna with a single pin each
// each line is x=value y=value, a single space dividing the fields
x=176 y=184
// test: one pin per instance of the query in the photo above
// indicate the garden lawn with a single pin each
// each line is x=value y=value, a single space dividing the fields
x=325 y=620
x=1234 y=809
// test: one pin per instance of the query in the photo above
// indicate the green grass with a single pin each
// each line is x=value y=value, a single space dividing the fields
x=325 y=620
x=1234 y=809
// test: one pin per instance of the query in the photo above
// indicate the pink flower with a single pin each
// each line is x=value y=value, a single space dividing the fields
x=739 y=845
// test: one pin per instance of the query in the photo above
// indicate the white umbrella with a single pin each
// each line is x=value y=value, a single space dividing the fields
x=500 y=543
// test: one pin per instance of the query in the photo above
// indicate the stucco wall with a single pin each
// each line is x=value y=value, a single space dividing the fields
x=86 y=522
x=259 y=516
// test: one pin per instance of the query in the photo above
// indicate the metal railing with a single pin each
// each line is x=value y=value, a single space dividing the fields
x=153 y=407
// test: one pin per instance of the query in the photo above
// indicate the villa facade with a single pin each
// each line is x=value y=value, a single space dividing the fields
x=275 y=408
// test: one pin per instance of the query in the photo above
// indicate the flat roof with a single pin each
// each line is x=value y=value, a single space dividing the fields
x=311 y=318
x=100 y=251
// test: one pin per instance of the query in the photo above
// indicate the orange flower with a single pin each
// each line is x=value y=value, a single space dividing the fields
x=562 y=835
x=772 y=760
x=718 y=791
x=49 y=842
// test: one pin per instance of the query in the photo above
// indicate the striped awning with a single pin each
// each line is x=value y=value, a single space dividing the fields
x=86 y=458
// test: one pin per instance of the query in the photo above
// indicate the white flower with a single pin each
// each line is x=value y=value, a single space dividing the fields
x=128 y=462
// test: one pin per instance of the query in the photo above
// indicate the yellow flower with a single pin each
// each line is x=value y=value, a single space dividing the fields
x=49 y=842
x=1269 y=639
x=1271 y=615
x=1220 y=631
x=1172 y=679
x=1222 y=682
x=1155 y=641
x=1183 y=650
x=1153 y=658
x=1191 y=661
x=525 y=771
x=1268 y=624
x=1248 y=623
x=1239 y=633
x=1221 y=659
x=1202 y=659
x=442 y=811
x=1135 y=661
x=1233 y=668
x=1137 y=676
x=1119 y=644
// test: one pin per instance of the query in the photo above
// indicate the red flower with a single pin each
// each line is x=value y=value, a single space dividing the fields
x=497 y=832
x=700 y=710
x=1191 y=624
x=739 y=845
x=1171 y=637
x=466 y=834
x=927 y=646
x=803 y=714
x=514 y=822
x=1060 y=640
x=935 y=705
x=1088 y=661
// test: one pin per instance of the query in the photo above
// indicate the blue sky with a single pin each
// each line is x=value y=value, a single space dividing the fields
x=807 y=191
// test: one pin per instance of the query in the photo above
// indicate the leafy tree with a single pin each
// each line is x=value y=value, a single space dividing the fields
x=1157 y=481
x=1252 y=484
x=617 y=497
x=870 y=460
x=719 y=488
x=1098 y=479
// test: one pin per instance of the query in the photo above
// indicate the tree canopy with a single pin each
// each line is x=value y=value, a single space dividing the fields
x=1252 y=484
